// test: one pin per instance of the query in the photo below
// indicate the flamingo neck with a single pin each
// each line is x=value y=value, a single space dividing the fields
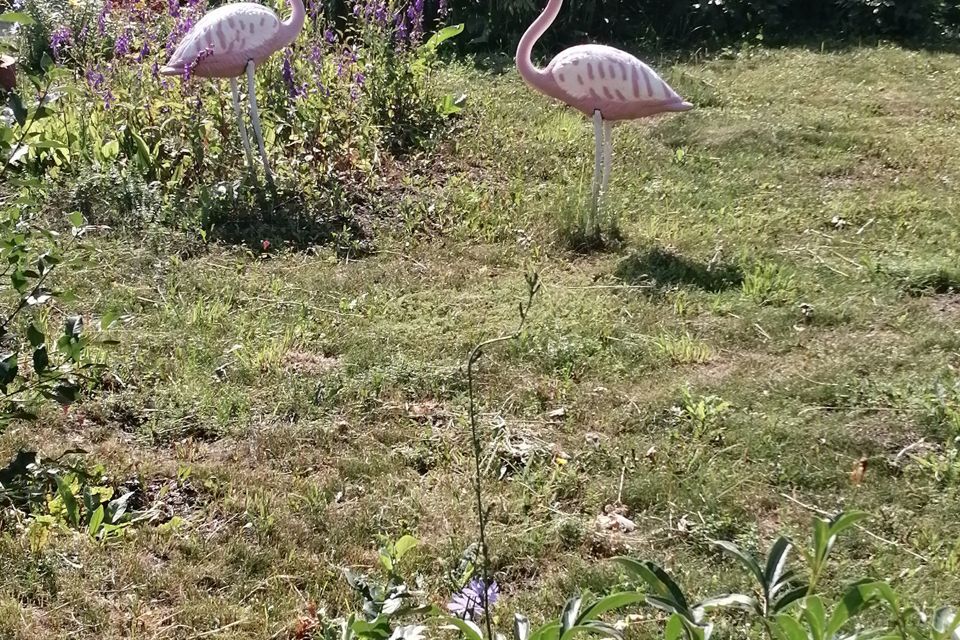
x=290 y=28
x=529 y=72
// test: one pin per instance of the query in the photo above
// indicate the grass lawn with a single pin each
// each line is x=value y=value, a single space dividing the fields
x=783 y=304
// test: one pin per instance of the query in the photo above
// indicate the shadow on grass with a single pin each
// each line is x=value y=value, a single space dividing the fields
x=664 y=269
x=246 y=214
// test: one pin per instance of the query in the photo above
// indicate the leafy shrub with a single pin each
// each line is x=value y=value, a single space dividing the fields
x=350 y=91
x=696 y=23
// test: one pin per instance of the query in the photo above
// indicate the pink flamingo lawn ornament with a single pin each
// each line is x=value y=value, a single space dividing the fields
x=231 y=40
x=606 y=84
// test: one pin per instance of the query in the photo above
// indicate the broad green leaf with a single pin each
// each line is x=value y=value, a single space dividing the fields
x=8 y=369
x=570 y=615
x=107 y=320
x=143 y=151
x=521 y=627
x=815 y=616
x=675 y=629
x=745 y=558
x=821 y=538
x=96 y=519
x=945 y=622
x=48 y=144
x=789 y=598
x=443 y=35
x=69 y=501
x=40 y=359
x=46 y=62
x=846 y=520
x=404 y=544
x=776 y=565
x=730 y=601
x=35 y=335
x=17 y=18
x=469 y=630
x=16 y=106
x=787 y=628
x=854 y=601
x=76 y=219
x=594 y=627
x=610 y=603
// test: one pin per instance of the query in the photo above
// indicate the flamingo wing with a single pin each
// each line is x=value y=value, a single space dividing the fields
x=227 y=36
x=605 y=73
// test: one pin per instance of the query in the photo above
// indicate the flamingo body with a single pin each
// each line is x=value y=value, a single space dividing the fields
x=232 y=40
x=606 y=84
x=225 y=40
x=593 y=78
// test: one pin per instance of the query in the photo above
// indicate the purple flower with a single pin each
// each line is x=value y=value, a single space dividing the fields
x=415 y=17
x=401 y=30
x=144 y=52
x=443 y=8
x=102 y=20
x=288 y=79
x=59 y=39
x=173 y=8
x=94 y=78
x=330 y=36
x=122 y=46
x=468 y=602
x=359 y=79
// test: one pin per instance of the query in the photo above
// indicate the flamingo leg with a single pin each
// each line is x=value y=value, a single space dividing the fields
x=607 y=160
x=255 y=117
x=598 y=158
x=235 y=89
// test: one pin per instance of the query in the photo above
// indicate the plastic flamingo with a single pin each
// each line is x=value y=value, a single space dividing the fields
x=606 y=84
x=231 y=40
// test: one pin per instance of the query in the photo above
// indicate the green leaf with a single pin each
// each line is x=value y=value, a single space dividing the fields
x=787 y=628
x=854 y=601
x=745 y=558
x=521 y=627
x=945 y=622
x=469 y=630
x=76 y=219
x=404 y=545
x=442 y=36
x=96 y=519
x=17 y=18
x=69 y=501
x=730 y=601
x=35 y=335
x=40 y=359
x=49 y=144
x=776 y=565
x=16 y=106
x=143 y=151
x=846 y=520
x=610 y=603
x=8 y=369
x=675 y=629
x=46 y=62
x=379 y=629
x=789 y=598
x=815 y=616
x=594 y=627
x=73 y=326
x=658 y=580
x=570 y=615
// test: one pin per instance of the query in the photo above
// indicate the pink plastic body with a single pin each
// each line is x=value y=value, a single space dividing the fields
x=593 y=78
x=222 y=43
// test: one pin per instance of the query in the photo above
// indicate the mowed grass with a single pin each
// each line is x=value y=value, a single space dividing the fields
x=783 y=304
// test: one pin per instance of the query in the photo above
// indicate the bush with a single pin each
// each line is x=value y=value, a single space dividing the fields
x=350 y=91
x=698 y=23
